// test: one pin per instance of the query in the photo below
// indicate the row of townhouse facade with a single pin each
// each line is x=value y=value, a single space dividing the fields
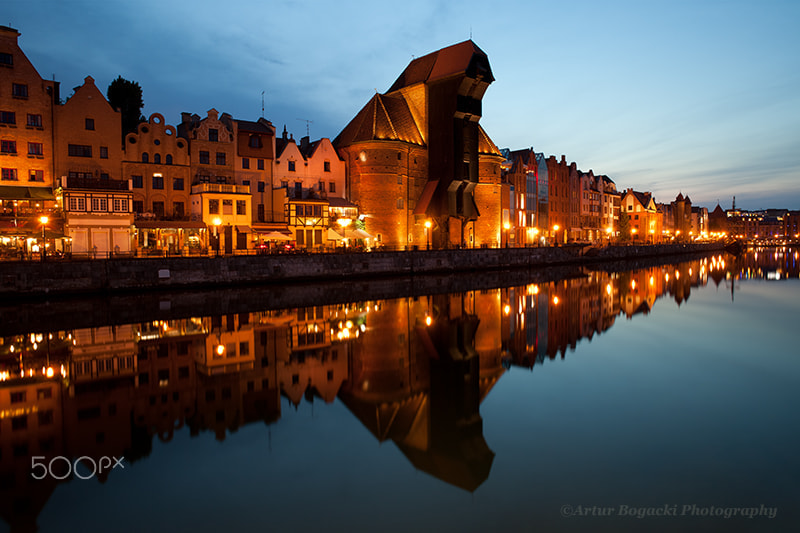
x=70 y=184
x=413 y=168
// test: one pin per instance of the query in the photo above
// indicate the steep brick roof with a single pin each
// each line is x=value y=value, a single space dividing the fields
x=485 y=144
x=385 y=117
x=463 y=57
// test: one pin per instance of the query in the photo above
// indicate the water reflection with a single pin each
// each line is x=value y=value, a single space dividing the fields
x=413 y=371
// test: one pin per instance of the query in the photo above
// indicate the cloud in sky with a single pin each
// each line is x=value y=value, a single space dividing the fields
x=692 y=96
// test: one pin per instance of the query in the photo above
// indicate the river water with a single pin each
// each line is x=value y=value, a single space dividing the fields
x=659 y=399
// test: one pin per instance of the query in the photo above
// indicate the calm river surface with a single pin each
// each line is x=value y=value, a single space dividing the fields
x=659 y=399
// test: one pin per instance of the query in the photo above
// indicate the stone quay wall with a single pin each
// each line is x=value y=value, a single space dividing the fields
x=113 y=275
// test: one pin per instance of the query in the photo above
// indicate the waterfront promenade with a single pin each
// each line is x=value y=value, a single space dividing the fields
x=36 y=279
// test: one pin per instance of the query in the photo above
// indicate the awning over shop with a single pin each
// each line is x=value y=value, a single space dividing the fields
x=10 y=192
x=243 y=229
x=171 y=224
x=275 y=236
x=333 y=236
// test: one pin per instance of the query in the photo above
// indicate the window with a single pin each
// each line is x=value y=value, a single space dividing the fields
x=246 y=183
x=241 y=207
x=138 y=182
x=255 y=141
x=158 y=181
x=157 y=159
x=6 y=59
x=168 y=159
x=36 y=175
x=177 y=209
x=120 y=205
x=321 y=186
x=158 y=210
x=18 y=397
x=227 y=207
x=399 y=203
x=332 y=186
x=213 y=134
x=221 y=158
x=35 y=120
x=77 y=203
x=291 y=166
x=285 y=184
x=104 y=152
x=19 y=422
x=44 y=394
x=145 y=157
x=245 y=162
x=19 y=90
x=99 y=205
x=79 y=150
x=177 y=184
x=10 y=147
x=260 y=164
x=9 y=174
x=213 y=206
x=260 y=186
x=45 y=417
x=204 y=157
x=244 y=348
x=261 y=212
x=8 y=117
x=89 y=123
x=138 y=206
x=327 y=166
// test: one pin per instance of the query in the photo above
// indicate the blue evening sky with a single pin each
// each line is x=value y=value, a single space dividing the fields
x=694 y=96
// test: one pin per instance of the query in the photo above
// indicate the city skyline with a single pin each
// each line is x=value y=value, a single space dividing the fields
x=670 y=99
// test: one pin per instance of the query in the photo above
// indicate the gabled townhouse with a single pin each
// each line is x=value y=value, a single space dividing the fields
x=94 y=196
x=157 y=163
x=216 y=199
x=27 y=179
x=254 y=168
x=646 y=222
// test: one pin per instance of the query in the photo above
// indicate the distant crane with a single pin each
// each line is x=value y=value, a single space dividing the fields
x=308 y=124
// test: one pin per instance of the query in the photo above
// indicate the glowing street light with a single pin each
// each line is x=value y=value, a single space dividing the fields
x=217 y=221
x=507 y=227
x=428 y=232
x=44 y=220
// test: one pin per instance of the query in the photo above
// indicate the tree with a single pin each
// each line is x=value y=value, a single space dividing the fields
x=127 y=97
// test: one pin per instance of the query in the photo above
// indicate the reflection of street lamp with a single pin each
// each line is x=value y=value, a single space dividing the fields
x=428 y=232
x=44 y=220
x=344 y=222
x=217 y=221
x=507 y=227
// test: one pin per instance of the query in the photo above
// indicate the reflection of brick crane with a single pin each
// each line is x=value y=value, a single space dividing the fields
x=308 y=123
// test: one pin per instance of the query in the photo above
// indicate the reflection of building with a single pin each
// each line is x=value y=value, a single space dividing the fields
x=418 y=380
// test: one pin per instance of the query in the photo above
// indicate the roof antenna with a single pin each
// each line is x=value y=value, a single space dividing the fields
x=308 y=123
x=470 y=32
x=262 y=104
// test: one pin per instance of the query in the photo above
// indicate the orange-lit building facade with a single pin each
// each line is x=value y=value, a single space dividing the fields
x=93 y=194
x=27 y=172
x=157 y=163
x=417 y=154
x=646 y=222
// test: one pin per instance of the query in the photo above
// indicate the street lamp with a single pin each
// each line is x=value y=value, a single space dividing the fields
x=217 y=221
x=556 y=227
x=44 y=220
x=507 y=227
x=428 y=232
